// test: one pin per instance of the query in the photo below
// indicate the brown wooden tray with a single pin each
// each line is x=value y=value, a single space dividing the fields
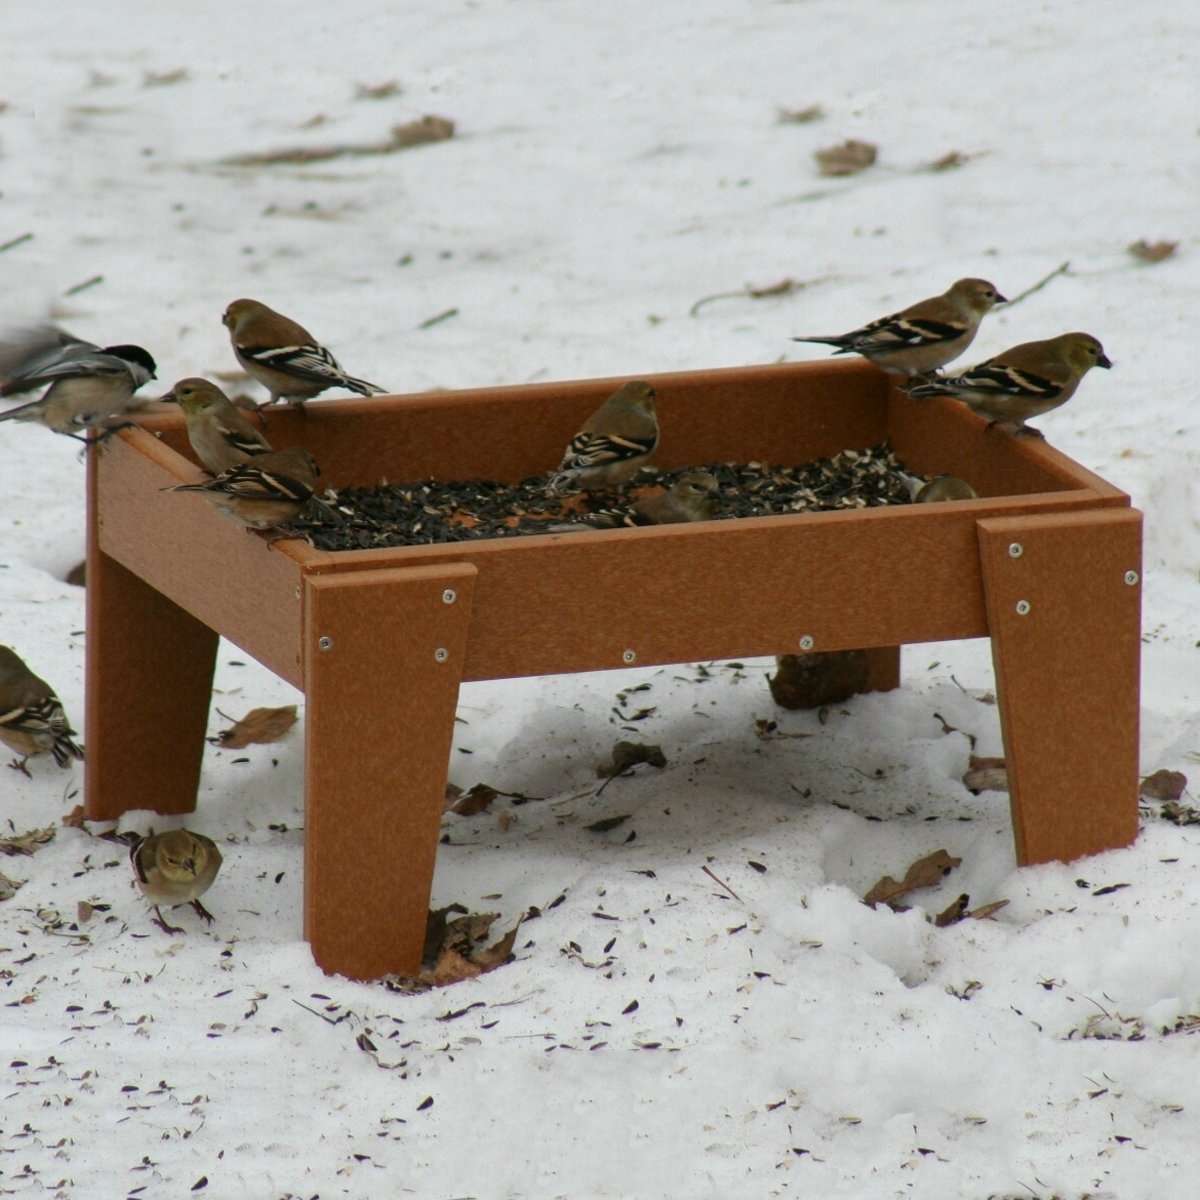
x=379 y=640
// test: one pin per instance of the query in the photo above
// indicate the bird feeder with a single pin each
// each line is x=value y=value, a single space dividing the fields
x=1047 y=564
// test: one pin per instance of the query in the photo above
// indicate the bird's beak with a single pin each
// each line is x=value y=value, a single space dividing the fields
x=1000 y=299
x=1104 y=361
x=189 y=865
x=169 y=398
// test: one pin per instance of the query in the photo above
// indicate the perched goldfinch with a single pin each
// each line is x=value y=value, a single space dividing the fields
x=87 y=388
x=925 y=336
x=945 y=487
x=220 y=433
x=614 y=443
x=31 y=718
x=264 y=492
x=176 y=867
x=692 y=497
x=283 y=356
x=1026 y=381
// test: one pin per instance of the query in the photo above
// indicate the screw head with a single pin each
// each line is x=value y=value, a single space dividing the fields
x=1022 y=608
x=449 y=596
x=324 y=643
x=441 y=654
x=628 y=656
x=1015 y=549
x=1131 y=577
x=806 y=642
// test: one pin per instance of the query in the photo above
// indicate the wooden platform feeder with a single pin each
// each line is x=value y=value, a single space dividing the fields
x=1047 y=565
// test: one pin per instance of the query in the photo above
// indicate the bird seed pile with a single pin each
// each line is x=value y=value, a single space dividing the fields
x=417 y=514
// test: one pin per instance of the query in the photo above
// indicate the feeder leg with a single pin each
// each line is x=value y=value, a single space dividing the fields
x=1063 y=599
x=149 y=672
x=383 y=658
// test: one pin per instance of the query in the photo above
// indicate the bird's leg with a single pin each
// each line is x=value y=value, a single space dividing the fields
x=162 y=924
x=202 y=911
x=18 y=764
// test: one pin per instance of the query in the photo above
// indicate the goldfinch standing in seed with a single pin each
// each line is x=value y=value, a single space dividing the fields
x=32 y=720
x=220 y=433
x=1026 y=381
x=264 y=492
x=176 y=867
x=924 y=337
x=283 y=356
x=87 y=388
x=692 y=497
x=614 y=443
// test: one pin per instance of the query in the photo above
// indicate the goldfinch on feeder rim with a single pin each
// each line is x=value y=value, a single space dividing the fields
x=264 y=492
x=927 y=335
x=87 y=387
x=1026 y=381
x=614 y=443
x=176 y=867
x=283 y=356
x=220 y=433
x=32 y=720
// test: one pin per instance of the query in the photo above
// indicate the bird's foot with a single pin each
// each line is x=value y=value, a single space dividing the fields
x=18 y=764
x=162 y=924
x=201 y=911
x=1028 y=431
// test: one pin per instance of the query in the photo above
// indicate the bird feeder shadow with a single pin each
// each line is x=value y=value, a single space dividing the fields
x=1046 y=564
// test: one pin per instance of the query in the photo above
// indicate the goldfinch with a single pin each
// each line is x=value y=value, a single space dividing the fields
x=176 y=867
x=31 y=718
x=283 y=356
x=1026 y=381
x=927 y=335
x=264 y=492
x=220 y=433
x=87 y=388
x=945 y=487
x=692 y=497
x=614 y=443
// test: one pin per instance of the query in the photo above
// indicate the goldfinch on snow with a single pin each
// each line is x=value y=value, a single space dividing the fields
x=1026 y=381
x=87 y=388
x=220 y=433
x=176 y=867
x=614 y=443
x=923 y=337
x=264 y=492
x=283 y=356
x=32 y=720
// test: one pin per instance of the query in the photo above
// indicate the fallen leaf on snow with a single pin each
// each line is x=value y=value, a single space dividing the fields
x=1152 y=252
x=629 y=754
x=9 y=887
x=453 y=951
x=75 y=818
x=801 y=116
x=473 y=800
x=27 y=843
x=258 y=725
x=607 y=823
x=985 y=775
x=1163 y=785
x=925 y=872
x=849 y=158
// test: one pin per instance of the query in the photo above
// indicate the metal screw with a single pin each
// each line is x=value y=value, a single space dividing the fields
x=1022 y=608
x=1015 y=549
x=1131 y=577
x=806 y=642
x=629 y=656
x=324 y=643
x=449 y=596
x=441 y=654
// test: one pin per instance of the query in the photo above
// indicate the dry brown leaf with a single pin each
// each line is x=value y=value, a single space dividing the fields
x=801 y=116
x=629 y=754
x=950 y=161
x=258 y=725
x=818 y=677
x=9 y=887
x=473 y=801
x=452 y=950
x=925 y=872
x=606 y=823
x=74 y=819
x=849 y=158
x=954 y=912
x=422 y=131
x=401 y=137
x=376 y=91
x=985 y=912
x=507 y=819
x=1180 y=814
x=1152 y=252
x=83 y=911
x=986 y=774
x=27 y=843
x=1163 y=785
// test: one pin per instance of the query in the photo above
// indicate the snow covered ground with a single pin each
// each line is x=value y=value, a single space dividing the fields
x=612 y=165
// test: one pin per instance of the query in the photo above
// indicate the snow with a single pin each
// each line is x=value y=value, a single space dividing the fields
x=612 y=165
